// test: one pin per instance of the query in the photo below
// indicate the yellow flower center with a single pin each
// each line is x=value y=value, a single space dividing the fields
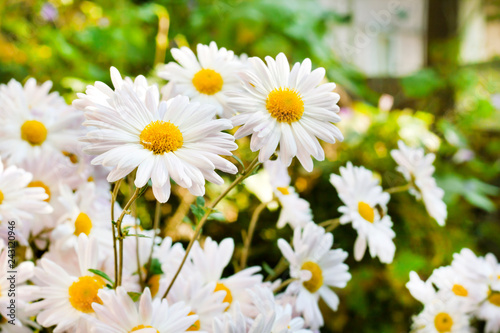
x=285 y=105
x=140 y=327
x=196 y=325
x=366 y=211
x=83 y=293
x=283 y=190
x=229 y=297
x=83 y=223
x=1 y=197
x=161 y=137
x=443 y=322
x=34 y=132
x=459 y=290
x=38 y=183
x=316 y=280
x=154 y=284
x=207 y=81
x=90 y=179
x=72 y=157
x=494 y=299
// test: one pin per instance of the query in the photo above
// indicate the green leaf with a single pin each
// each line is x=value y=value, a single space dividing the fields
x=200 y=201
x=217 y=216
x=268 y=268
x=135 y=296
x=239 y=161
x=155 y=268
x=101 y=274
x=198 y=211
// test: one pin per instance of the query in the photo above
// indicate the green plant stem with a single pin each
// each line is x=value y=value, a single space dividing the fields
x=253 y=165
x=329 y=222
x=251 y=230
x=278 y=269
x=156 y=225
x=113 y=200
x=397 y=189
x=284 y=284
x=120 y=233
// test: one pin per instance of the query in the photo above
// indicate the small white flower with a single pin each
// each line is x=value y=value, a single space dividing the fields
x=366 y=208
x=175 y=139
x=439 y=316
x=317 y=268
x=205 y=79
x=35 y=122
x=117 y=313
x=286 y=107
x=417 y=168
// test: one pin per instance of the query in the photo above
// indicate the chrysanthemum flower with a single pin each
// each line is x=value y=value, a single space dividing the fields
x=366 y=208
x=204 y=79
x=439 y=317
x=19 y=202
x=210 y=261
x=317 y=268
x=289 y=108
x=117 y=313
x=417 y=168
x=65 y=297
x=35 y=122
x=175 y=139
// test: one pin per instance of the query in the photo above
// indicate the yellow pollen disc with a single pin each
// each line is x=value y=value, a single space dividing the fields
x=1 y=197
x=154 y=284
x=207 y=81
x=72 y=157
x=90 y=179
x=140 y=327
x=83 y=293
x=38 y=183
x=285 y=105
x=83 y=224
x=459 y=290
x=196 y=325
x=229 y=297
x=366 y=211
x=34 y=132
x=443 y=322
x=494 y=299
x=316 y=280
x=283 y=190
x=161 y=137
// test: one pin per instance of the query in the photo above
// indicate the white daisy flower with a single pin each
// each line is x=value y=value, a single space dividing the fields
x=422 y=291
x=439 y=317
x=65 y=297
x=175 y=139
x=35 y=122
x=209 y=262
x=289 y=108
x=366 y=208
x=273 y=317
x=489 y=310
x=295 y=210
x=458 y=288
x=232 y=322
x=201 y=298
x=417 y=168
x=117 y=313
x=19 y=202
x=205 y=79
x=83 y=214
x=317 y=268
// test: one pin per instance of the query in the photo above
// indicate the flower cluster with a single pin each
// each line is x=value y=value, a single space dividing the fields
x=453 y=295
x=88 y=266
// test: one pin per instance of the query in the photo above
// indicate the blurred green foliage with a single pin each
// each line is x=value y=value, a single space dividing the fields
x=74 y=42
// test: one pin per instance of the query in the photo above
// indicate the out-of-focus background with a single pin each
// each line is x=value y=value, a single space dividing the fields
x=426 y=71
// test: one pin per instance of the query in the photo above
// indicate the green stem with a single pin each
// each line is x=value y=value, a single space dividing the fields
x=253 y=165
x=251 y=230
x=113 y=200
x=397 y=189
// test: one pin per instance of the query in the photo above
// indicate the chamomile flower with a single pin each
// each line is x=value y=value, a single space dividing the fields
x=117 y=313
x=417 y=168
x=439 y=316
x=286 y=107
x=35 y=122
x=175 y=139
x=65 y=297
x=210 y=261
x=366 y=208
x=233 y=321
x=317 y=268
x=489 y=310
x=19 y=202
x=205 y=78
x=295 y=210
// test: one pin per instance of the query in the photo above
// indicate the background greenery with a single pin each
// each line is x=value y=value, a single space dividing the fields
x=451 y=110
